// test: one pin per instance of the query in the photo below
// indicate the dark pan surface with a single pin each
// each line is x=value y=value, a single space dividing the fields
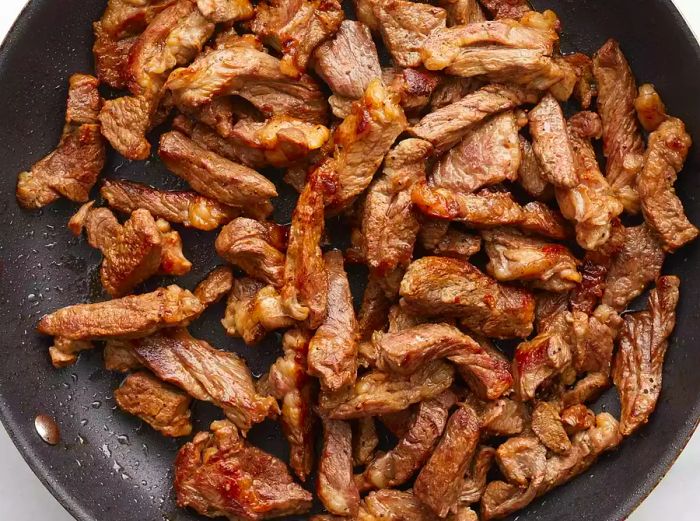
x=111 y=467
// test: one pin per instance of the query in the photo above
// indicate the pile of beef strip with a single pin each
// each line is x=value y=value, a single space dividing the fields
x=459 y=149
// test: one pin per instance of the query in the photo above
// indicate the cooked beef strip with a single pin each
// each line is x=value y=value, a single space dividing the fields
x=187 y=208
x=253 y=310
x=586 y=88
x=414 y=447
x=592 y=204
x=502 y=417
x=253 y=75
x=389 y=223
x=333 y=349
x=462 y=12
x=530 y=174
x=438 y=286
x=486 y=371
x=593 y=338
x=549 y=428
x=377 y=393
x=617 y=90
x=373 y=310
x=522 y=460
x=365 y=441
x=349 y=61
x=111 y=56
x=440 y=481
x=360 y=143
x=488 y=154
x=507 y=8
x=577 y=418
x=663 y=210
x=219 y=11
x=206 y=373
x=163 y=407
x=128 y=317
x=216 y=177
x=174 y=37
x=543 y=220
x=405 y=26
x=650 y=108
x=638 y=368
x=71 y=170
x=537 y=360
x=336 y=487
x=545 y=265
x=451 y=89
x=254 y=247
x=432 y=232
x=551 y=143
x=446 y=126
x=587 y=389
x=219 y=474
x=637 y=264
x=414 y=87
x=119 y=356
x=304 y=294
x=458 y=245
x=215 y=285
x=474 y=482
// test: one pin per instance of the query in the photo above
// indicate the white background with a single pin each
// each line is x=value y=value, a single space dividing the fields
x=23 y=498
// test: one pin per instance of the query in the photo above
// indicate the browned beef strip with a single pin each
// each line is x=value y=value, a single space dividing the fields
x=365 y=441
x=396 y=505
x=475 y=479
x=373 y=310
x=414 y=86
x=530 y=175
x=438 y=286
x=336 y=487
x=546 y=355
x=650 y=108
x=163 y=407
x=638 y=368
x=220 y=474
x=586 y=88
x=548 y=426
x=507 y=8
x=219 y=11
x=462 y=12
x=214 y=286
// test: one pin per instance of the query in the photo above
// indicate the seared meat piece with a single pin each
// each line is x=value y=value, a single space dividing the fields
x=458 y=245
x=172 y=259
x=663 y=210
x=439 y=483
x=174 y=37
x=638 y=264
x=587 y=389
x=187 y=208
x=333 y=349
x=304 y=294
x=502 y=417
x=128 y=317
x=486 y=370
x=541 y=219
x=163 y=407
x=522 y=460
x=377 y=393
x=213 y=176
x=475 y=481
x=389 y=224
x=373 y=311
x=361 y=141
x=71 y=170
x=548 y=426
x=551 y=143
x=483 y=209
x=414 y=87
x=592 y=204
x=364 y=441
x=462 y=12
x=219 y=11
x=530 y=175
x=650 y=108
x=543 y=357
x=405 y=26
x=119 y=356
x=111 y=56
x=586 y=88
x=336 y=487
x=397 y=466
x=514 y=9
x=253 y=310
x=514 y=256
x=296 y=28
x=577 y=418
x=216 y=284
x=639 y=362
x=453 y=88
x=254 y=247
x=617 y=90
x=252 y=74
x=437 y=286
x=396 y=505
x=446 y=126
x=488 y=154
x=348 y=62
x=206 y=373
x=219 y=474
x=592 y=339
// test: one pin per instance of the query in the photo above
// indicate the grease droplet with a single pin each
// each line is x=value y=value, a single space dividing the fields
x=47 y=429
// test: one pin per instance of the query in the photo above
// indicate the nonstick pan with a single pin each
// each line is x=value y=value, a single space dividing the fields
x=109 y=466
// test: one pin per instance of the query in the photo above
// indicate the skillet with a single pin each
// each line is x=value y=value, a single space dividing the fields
x=109 y=466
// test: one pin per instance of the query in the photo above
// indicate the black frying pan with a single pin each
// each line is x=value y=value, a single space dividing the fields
x=108 y=465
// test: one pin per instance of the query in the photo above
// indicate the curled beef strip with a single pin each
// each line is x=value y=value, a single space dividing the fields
x=214 y=286
x=586 y=88
x=220 y=474
x=502 y=417
x=438 y=286
x=530 y=174
x=333 y=348
x=650 y=108
x=255 y=247
x=377 y=393
x=336 y=487
x=163 y=407
x=577 y=418
x=475 y=480
x=414 y=87
x=548 y=426
x=622 y=140
x=439 y=483
x=71 y=170
x=365 y=441
x=188 y=208
x=220 y=11
x=638 y=368
x=513 y=9
x=663 y=210
x=537 y=360
x=414 y=447
x=296 y=28
x=373 y=310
